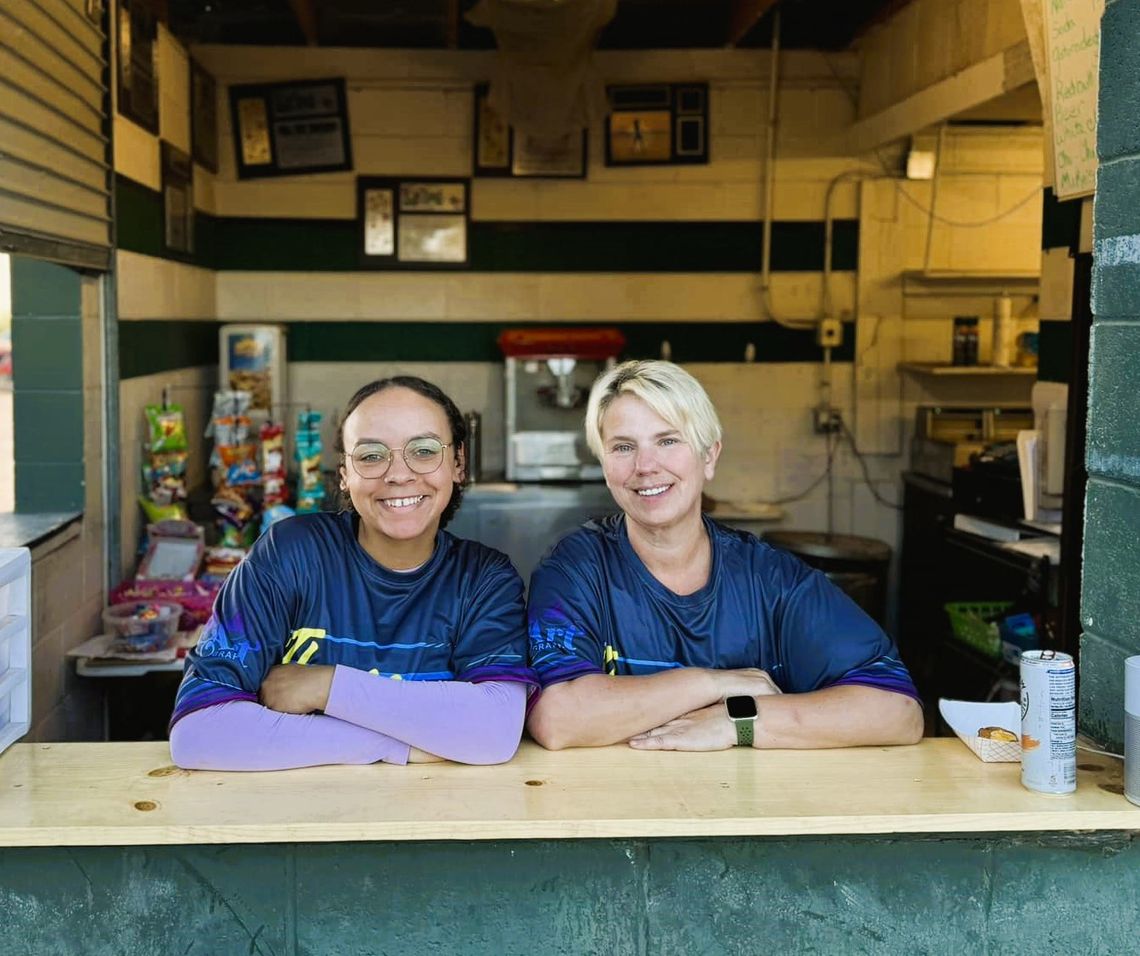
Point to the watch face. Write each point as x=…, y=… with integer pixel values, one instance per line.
x=741, y=708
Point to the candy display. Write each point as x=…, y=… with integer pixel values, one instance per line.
x=307, y=450
x=196, y=598
x=167, y=428
x=140, y=628
x=183, y=563
x=164, y=463
x=272, y=465
x=235, y=472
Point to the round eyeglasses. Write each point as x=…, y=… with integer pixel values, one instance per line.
x=421, y=455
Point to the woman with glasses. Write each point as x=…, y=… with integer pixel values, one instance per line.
x=660, y=627
x=369, y=635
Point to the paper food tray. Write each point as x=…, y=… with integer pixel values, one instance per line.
x=966, y=718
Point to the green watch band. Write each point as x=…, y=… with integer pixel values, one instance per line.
x=742, y=712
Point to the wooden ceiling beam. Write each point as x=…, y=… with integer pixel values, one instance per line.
x=451, y=28
x=306, y=13
x=744, y=16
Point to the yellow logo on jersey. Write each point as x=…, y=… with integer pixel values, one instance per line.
x=298, y=638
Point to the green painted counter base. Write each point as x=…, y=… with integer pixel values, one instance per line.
x=975, y=894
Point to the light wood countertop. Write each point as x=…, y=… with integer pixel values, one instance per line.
x=85, y=794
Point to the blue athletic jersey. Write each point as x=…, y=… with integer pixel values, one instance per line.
x=308, y=593
x=594, y=608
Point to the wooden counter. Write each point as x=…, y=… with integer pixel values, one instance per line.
x=78, y=794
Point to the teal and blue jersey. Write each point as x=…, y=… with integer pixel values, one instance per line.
x=308, y=593
x=595, y=608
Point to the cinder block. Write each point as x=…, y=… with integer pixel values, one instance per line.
x=1110, y=585
x=1100, y=712
x=1118, y=133
x=1113, y=448
x=49, y=426
x=44, y=288
x=50, y=351
x=1116, y=212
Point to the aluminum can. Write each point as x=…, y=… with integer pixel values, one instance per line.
x=1048, y=722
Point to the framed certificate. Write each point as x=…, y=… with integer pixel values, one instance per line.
x=413, y=223
x=288, y=129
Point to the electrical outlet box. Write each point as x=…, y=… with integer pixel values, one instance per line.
x=826, y=421
x=829, y=333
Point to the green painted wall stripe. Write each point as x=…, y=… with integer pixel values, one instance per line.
x=138, y=225
x=151, y=346
x=476, y=341
x=332, y=245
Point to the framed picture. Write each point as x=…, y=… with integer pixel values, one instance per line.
x=203, y=117
x=492, y=138
x=287, y=129
x=177, y=200
x=413, y=223
x=501, y=150
x=136, y=32
x=660, y=124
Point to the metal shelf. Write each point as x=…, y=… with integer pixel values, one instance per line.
x=942, y=370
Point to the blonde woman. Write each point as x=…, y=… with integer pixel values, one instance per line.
x=663, y=628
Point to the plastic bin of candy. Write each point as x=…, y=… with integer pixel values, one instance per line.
x=142, y=627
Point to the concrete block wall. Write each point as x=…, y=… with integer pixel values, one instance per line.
x=1110, y=589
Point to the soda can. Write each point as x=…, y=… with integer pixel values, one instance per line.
x=1048, y=722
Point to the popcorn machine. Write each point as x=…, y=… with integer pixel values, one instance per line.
x=548, y=373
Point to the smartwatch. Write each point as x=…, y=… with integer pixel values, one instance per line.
x=742, y=712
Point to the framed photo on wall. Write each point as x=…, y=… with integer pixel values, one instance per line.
x=203, y=117
x=177, y=200
x=288, y=129
x=659, y=124
x=136, y=33
x=413, y=222
x=501, y=150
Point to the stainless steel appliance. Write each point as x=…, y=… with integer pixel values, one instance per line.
x=547, y=377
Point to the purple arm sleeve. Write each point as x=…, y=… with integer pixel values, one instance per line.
x=243, y=735
x=468, y=723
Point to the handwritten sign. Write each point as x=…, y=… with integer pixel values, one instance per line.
x=1072, y=42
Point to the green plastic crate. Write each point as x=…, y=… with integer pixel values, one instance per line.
x=969, y=620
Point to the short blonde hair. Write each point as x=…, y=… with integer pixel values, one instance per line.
x=666, y=388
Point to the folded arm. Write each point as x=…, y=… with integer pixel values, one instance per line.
x=244, y=735
x=468, y=723
x=596, y=709
x=848, y=715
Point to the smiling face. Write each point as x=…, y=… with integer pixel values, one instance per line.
x=400, y=510
x=654, y=474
